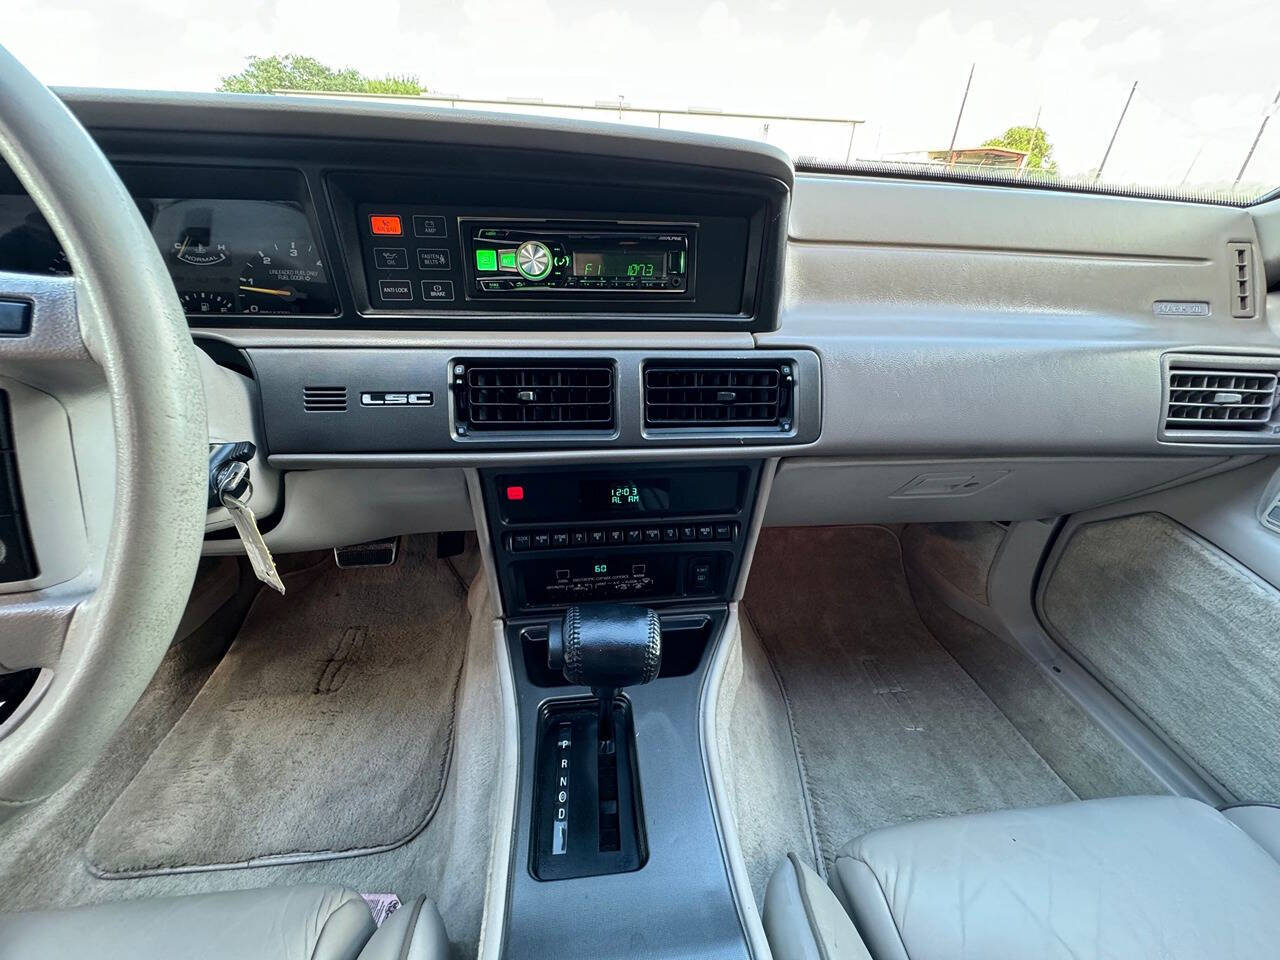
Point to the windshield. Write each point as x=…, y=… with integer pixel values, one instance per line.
x=1164, y=96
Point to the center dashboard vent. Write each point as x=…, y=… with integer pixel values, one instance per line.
x=721, y=394
x=556, y=395
x=1219, y=399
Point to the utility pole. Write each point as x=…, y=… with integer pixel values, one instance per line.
x=1112, y=142
x=1254, y=146
x=963, y=100
x=1035, y=128
x=1191, y=166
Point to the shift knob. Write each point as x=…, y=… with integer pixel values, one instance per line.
x=607, y=646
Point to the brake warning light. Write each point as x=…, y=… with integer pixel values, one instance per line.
x=385, y=225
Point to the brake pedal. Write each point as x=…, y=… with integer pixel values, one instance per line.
x=374, y=553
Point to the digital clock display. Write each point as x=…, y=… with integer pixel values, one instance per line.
x=624, y=496
x=620, y=265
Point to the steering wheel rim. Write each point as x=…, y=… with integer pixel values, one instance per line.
x=111, y=347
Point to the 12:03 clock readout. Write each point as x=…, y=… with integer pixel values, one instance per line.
x=624, y=495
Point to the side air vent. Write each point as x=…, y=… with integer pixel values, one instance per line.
x=535, y=396
x=702, y=396
x=1221, y=399
x=324, y=399
x=1240, y=267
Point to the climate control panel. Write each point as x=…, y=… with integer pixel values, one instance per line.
x=649, y=533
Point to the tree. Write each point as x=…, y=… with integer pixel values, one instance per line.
x=294, y=72
x=1033, y=141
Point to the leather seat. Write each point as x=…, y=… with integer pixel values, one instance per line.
x=1132, y=877
x=311, y=922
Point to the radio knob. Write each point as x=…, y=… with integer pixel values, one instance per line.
x=533, y=259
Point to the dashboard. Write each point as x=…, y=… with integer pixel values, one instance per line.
x=338, y=244
x=402, y=295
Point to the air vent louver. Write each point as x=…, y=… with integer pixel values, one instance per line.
x=701, y=396
x=324, y=399
x=526, y=397
x=1220, y=399
x=1240, y=264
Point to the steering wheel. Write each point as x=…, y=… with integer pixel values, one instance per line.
x=111, y=450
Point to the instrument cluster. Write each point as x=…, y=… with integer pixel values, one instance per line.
x=226, y=256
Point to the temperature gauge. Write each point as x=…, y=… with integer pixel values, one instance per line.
x=196, y=250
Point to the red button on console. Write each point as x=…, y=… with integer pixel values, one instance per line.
x=515, y=493
x=385, y=225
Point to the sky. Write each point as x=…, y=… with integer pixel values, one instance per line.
x=1205, y=80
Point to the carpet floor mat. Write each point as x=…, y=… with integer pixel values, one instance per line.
x=888, y=727
x=325, y=731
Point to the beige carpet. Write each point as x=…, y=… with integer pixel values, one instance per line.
x=325, y=731
x=889, y=728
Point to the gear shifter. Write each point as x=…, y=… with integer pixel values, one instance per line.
x=606, y=647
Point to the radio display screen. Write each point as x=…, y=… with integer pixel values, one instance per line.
x=620, y=264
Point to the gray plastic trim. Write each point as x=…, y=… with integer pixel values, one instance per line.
x=406, y=433
x=721, y=804
x=348, y=119
x=48, y=475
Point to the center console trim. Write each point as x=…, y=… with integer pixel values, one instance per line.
x=616, y=916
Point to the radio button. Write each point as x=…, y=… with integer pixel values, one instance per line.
x=706, y=531
x=688, y=533
x=652, y=535
x=597, y=538
x=560, y=538
x=521, y=541
x=487, y=260
x=617, y=535
x=541, y=540
x=670, y=534
x=724, y=531
x=579, y=538
x=633, y=535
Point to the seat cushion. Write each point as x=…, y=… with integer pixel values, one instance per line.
x=803, y=919
x=1131, y=877
x=312, y=922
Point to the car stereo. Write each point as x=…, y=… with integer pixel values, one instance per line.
x=517, y=259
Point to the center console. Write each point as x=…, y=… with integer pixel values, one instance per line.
x=616, y=581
